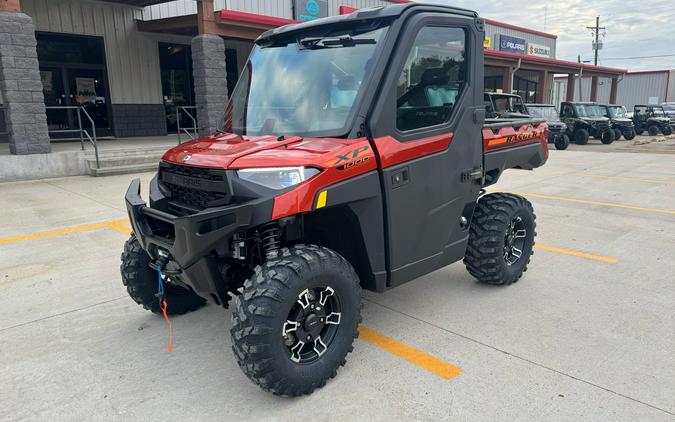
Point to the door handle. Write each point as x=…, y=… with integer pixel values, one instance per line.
x=400, y=178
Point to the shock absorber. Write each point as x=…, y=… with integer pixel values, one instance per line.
x=269, y=238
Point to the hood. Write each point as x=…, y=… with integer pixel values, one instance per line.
x=595, y=119
x=227, y=151
x=622, y=120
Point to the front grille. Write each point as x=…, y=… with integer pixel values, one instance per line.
x=191, y=189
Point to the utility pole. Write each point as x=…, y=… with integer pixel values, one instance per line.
x=596, y=31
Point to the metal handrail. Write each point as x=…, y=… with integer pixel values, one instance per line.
x=185, y=109
x=4, y=107
x=82, y=131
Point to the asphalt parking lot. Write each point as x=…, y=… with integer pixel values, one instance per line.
x=587, y=334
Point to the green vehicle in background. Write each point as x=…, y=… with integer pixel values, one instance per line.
x=620, y=123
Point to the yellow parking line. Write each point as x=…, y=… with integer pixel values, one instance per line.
x=120, y=227
x=576, y=253
x=632, y=179
x=604, y=204
x=59, y=231
x=417, y=357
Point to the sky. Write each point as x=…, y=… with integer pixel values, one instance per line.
x=634, y=28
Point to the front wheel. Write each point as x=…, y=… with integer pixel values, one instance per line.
x=297, y=319
x=501, y=238
x=617, y=134
x=562, y=142
x=607, y=136
x=629, y=134
x=141, y=283
x=580, y=136
x=653, y=130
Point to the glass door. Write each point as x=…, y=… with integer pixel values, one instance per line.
x=73, y=73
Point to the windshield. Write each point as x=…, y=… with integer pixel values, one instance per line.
x=589, y=110
x=617, y=111
x=508, y=104
x=305, y=87
x=669, y=107
x=548, y=113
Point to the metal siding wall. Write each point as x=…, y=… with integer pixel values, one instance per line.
x=170, y=9
x=132, y=58
x=633, y=89
x=494, y=31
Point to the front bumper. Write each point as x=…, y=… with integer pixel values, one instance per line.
x=186, y=243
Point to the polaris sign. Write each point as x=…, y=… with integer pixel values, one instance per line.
x=512, y=44
x=308, y=10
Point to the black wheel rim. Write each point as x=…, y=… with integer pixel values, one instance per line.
x=514, y=241
x=312, y=324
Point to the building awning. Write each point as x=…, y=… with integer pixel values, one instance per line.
x=137, y=3
x=503, y=58
x=229, y=23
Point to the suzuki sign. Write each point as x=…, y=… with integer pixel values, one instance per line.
x=538, y=50
x=512, y=44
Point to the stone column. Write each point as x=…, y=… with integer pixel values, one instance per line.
x=614, y=90
x=594, y=88
x=210, y=82
x=570, y=87
x=21, y=86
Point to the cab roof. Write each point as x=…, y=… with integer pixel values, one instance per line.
x=371, y=13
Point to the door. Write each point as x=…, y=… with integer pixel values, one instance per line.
x=73, y=73
x=426, y=129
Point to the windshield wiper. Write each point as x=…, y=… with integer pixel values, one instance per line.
x=328, y=42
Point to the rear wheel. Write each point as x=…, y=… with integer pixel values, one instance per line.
x=580, y=136
x=141, y=282
x=296, y=320
x=562, y=142
x=607, y=136
x=501, y=238
x=617, y=134
x=629, y=134
x=667, y=130
x=653, y=130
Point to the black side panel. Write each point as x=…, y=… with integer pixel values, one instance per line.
x=352, y=224
x=526, y=157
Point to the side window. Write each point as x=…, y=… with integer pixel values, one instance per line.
x=567, y=111
x=432, y=78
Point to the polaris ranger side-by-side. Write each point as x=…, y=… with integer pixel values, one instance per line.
x=651, y=118
x=354, y=155
x=504, y=106
x=584, y=120
x=619, y=122
x=557, y=130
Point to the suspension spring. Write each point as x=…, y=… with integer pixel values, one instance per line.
x=269, y=238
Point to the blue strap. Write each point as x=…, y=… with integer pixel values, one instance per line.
x=160, y=284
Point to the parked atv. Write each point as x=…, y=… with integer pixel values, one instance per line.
x=584, y=120
x=354, y=154
x=620, y=123
x=651, y=118
x=504, y=106
x=557, y=130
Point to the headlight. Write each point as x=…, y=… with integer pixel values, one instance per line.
x=277, y=177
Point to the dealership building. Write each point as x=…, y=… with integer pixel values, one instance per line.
x=139, y=68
